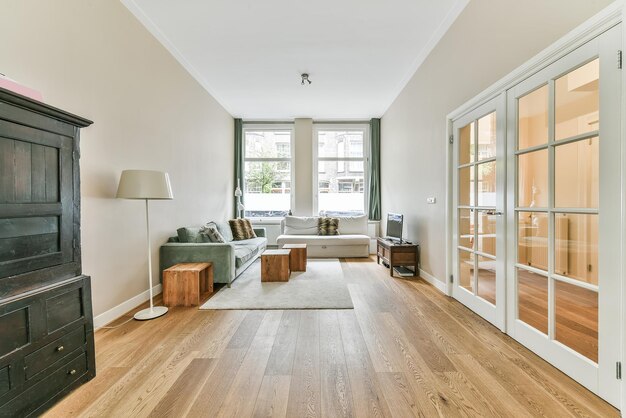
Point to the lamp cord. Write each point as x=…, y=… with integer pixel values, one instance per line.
x=119, y=325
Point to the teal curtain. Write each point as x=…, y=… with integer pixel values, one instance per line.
x=238, y=159
x=374, y=170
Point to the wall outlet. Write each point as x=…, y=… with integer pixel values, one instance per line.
x=431, y=200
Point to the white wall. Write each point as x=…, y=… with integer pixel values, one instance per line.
x=93, y=58
x=488, y=40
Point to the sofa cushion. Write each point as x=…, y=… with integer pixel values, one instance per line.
x=353, y=225
x=187, y=234
x=244, y=254
x=210, y=233
x=241, y=229
x=327, y=240
x=298, y=225
x=328, y=226
x=245, y=250
x=224, y=229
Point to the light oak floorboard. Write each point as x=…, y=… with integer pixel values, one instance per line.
x=405, y=350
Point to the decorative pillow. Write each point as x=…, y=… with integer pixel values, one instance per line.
x=298, y=225
x=242, y=229
x=224, y=228
x=188, y=234
x=328, y=226
x=351, y=225
x=211, y=233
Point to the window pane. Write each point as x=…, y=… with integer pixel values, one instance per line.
x=267, y=188
x=340, y=191
x=576, y=246
x=466, y=228
x=466, y=270
x=576, y=174
x=533, y=118
x=487, y=279
x=532, y=180
x=532, y=239
x=466, y=144
x=487, y=136
x=466, y=186
x=267, y=144
x=532, y=299
x=340, y=144
x=576, y=322
x=487, y=184
x=576, y=101
x=486, y=235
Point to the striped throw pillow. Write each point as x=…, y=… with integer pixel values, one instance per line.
x=328, y=226
x=242, y=229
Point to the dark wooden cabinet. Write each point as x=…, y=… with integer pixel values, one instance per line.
x=46, y=320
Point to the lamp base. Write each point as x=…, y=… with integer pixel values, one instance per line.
x=150, y=313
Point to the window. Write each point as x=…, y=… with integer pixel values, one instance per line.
x=267, y=171
x=341, y=177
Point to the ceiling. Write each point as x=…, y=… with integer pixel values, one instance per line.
x=249, y=54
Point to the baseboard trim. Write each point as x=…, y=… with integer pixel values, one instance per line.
x=114, y=313
x=438, y=284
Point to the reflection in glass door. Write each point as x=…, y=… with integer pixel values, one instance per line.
x=564, y=301
x=479, y=255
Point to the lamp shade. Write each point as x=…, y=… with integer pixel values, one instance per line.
x=144, y=184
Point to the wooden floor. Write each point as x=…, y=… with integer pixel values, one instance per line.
x=405, y=350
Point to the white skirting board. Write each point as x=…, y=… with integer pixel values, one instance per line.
x=438, y=284
x=114, y=313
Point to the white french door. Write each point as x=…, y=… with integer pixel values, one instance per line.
x=479, y=159
x=536, y=199
x=563, y=218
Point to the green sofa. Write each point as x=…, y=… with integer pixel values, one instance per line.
x=229, y=259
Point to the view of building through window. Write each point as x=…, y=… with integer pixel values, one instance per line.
x=267, y=172
x=341, y=172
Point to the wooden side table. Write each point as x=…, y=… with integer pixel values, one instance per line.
x=186, y=284
x=297, y=258
x=275, y=266
x=396, y=254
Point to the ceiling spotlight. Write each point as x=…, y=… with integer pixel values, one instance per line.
x=305, y=77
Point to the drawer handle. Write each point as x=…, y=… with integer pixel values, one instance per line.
x=72, y=372
x=60, y=348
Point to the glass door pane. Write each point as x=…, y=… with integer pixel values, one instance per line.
x=478, y=270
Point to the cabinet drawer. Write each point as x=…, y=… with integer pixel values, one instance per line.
x=402, y=257
x=53, y=352
x=5, y=380
x=63, y=309
x=45, y=389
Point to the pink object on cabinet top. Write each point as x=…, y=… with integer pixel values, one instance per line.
x=7, y=83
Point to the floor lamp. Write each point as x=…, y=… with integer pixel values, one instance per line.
x=146, y=185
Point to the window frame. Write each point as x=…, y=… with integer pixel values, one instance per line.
x=256, y=127
x=363, y=127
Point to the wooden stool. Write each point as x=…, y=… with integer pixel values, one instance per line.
x=275, y=266
x=297, y=258
x=186, y=284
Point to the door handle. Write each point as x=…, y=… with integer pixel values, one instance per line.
x=493, y=212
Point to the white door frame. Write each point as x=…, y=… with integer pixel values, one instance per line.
x=593, y=27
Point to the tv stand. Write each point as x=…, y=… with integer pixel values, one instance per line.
x=396, y=254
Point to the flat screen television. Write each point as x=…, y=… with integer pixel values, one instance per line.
x=394, y=226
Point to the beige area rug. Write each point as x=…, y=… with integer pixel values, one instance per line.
x=322, y=286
